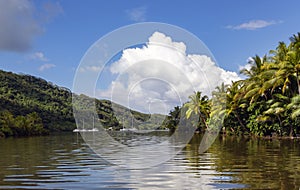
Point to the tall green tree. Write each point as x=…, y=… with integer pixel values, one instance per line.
x=198, y=105
x=286, y=66
x=294, y=106
x=173, y=118
x=6, y=122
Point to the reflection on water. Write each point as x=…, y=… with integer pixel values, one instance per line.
x=65, y=162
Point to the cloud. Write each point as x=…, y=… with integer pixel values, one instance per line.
x=39, y=56
x=250, y=60
x=90, y=69
x=253, y=25
x=18, y=26
x=46, y=66
x=137, y=14
x=246, y=66
x=21, y=22
x=160, y=75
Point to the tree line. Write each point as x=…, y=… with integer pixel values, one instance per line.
x=33, y=106
x=266, y=102
x=28, y=125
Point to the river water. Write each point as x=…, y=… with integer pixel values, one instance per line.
x=65, y=161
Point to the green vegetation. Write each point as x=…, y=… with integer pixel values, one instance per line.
x=33, y=106
x=28, y=125
x=266, y=103
x=22, y=95
x=111, y=115
x=198, y=105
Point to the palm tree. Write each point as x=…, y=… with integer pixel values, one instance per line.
x=276, y=108
x=173, y=118
x=286, y=64
x=253, y=86
x=218, y=107
x=294, y=106
x=198, y=105
x=294, y=59
x=256, y=68
x=218, y=104
x=235, y=102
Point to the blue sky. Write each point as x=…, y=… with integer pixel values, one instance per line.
x=52, y=36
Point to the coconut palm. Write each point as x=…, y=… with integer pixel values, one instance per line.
x=253, y=87
x=235, y=101
x=218, y=107
x=276, y=109
x=256, y=66
x=295, y=107
x=286, y=63
x=198, y=105
x=293, y=57
x=218, y=104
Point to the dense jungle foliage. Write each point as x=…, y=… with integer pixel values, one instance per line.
x=265, y=103
x=32, y=106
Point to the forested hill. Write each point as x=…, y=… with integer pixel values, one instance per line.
x=21, y=95
x=25, y=97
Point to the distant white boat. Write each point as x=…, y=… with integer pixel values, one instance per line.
x=77, y=130
x=86, y=130
x=92, y=130
x=80, y=130
x=130, y=129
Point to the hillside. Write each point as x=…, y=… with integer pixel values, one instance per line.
x=22, y=95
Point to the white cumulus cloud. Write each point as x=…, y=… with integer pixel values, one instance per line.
x=160, y=75
x=253, y=25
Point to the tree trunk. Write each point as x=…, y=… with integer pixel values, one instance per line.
x=203, y=120
x=291, y=131
x=239, y=120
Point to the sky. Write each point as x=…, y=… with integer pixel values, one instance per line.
x=48, y=39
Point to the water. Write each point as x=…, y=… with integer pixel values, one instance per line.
x=65, y=162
